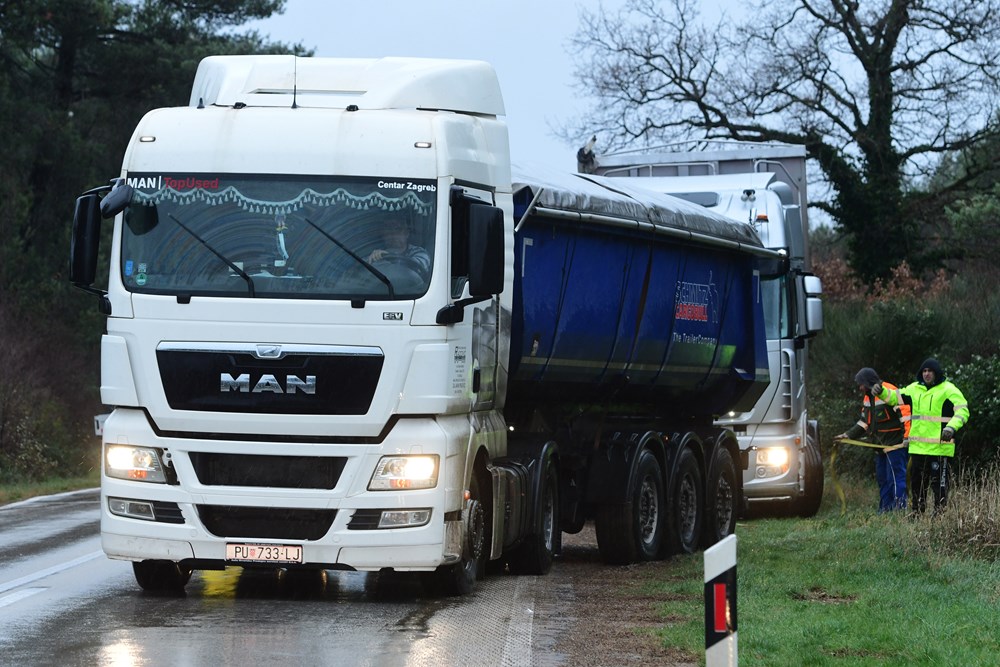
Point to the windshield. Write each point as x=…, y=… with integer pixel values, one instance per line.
x=279, y=236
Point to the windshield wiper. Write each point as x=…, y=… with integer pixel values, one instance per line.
x=371, y=269
x=215, y=252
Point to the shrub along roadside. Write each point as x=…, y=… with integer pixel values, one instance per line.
x=861, y=588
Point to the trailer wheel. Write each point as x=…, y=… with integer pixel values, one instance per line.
x=685, y=507
x=534, y=555
x=633, y=531
x=460, y=578
x=722, y=491
x=161, y=576
x=809, y=503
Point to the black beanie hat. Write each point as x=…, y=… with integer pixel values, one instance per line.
x=867, y=377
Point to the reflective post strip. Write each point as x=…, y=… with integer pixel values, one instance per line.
x=720, y=603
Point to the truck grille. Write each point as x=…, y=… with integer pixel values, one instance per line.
x=237, y=380
x=287, y=472
x=275, y=523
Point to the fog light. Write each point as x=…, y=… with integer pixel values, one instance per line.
x=134, y=509
x=404, y=518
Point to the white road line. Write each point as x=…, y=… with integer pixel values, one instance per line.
x=517, y=648
x=19, y=595
x=55, y=569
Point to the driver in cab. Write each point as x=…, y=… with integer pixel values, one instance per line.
x=396, y=248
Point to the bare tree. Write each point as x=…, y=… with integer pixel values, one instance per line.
x=877, y=94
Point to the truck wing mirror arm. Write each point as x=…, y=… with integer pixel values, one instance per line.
x=454, y=312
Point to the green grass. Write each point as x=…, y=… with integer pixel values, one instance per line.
x=11, y=493
x=856, y=588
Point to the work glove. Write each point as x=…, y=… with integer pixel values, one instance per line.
x=876, y=389
x=947, y=433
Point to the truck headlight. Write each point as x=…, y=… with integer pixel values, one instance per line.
x=136, y=463
x=771, y=462
x=772, y=456
x=394, y=473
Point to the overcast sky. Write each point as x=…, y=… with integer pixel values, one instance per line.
x=525, y=40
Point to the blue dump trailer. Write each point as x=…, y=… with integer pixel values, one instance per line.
x=636, y=321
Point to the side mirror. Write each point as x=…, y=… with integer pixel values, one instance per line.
x=85, y=240
x=118, y=199
x=486, y=250
x=809, y=306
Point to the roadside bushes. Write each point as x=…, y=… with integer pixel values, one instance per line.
x=45, y=423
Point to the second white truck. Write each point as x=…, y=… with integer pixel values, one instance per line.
x=764, y=185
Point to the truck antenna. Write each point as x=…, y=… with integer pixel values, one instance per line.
x=295, y=81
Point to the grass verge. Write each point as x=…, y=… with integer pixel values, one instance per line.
x=856, y=588
x=13, y=492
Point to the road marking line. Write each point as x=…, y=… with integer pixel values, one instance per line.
x=19, y=595
x=55, y=569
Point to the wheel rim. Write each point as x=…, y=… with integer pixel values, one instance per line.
x=687, y=508
x=547, y=521
x=649, y=511
x=724, y=506
x=476, y=533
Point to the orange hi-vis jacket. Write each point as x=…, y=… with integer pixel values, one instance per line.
x=891, y=422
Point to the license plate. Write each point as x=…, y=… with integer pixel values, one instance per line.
x=264, y=553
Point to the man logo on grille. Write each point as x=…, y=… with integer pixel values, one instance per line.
x=267, y=384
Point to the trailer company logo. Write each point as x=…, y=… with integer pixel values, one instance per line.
x=267, y=384
x=179, y=184
x=696, y=302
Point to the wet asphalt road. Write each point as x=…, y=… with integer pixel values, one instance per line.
x=62, y=602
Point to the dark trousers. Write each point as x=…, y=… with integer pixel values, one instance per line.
x=929, y=472
x=890, y=472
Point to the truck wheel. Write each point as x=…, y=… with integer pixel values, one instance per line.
x=722, y=496
x=633, y=531
x=685, y=508
x=460, y=578
x=161, y=576
x=534, y=554
x=812, y=496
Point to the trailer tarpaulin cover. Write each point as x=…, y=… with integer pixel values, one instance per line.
x=612, y=197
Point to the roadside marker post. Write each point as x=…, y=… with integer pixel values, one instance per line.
x=720, y=604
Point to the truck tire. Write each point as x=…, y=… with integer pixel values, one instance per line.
x=161, y=576
x=633, y=531
x=534, y=555
x=812, y=496
x=460, y=578
x=722, y=499
x=685, y=509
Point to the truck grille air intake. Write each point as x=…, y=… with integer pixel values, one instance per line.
x=277, y=523
x=288, y=472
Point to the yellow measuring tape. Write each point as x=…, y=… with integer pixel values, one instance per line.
x=833, y=468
